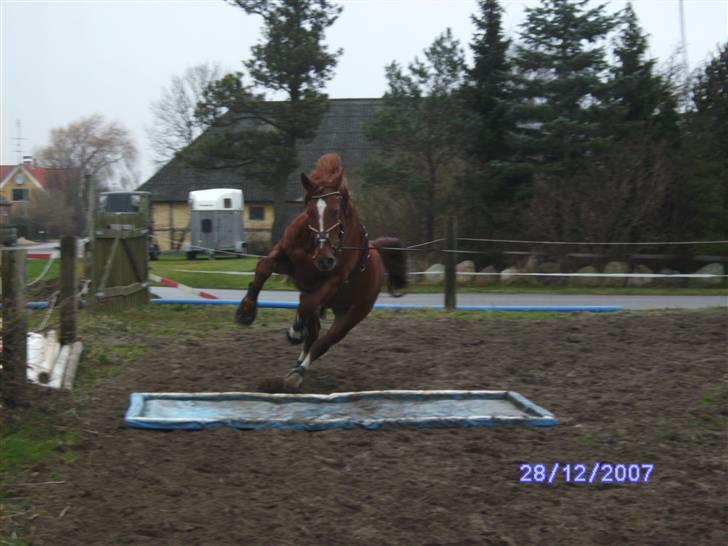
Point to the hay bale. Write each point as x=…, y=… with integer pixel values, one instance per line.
x=585, y=282
x=549, y=267
x=531, y=265
x=672, y=283
x=710, y=269
x=487, y=280
x=615, y=268
x=462, y=269
x=636, y=282
x=435, y=274
x=508, y=278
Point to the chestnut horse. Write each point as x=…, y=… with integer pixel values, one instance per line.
x=327, y=253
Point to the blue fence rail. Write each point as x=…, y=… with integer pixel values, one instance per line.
x=294, y=305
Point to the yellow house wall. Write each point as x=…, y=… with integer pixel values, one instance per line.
x=7, y=191
x=171, y=220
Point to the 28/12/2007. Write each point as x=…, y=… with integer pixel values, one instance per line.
x=594, y=473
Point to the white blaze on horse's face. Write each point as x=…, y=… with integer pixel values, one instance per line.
x=321, y=206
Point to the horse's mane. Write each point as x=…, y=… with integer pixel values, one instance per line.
x=326, y=172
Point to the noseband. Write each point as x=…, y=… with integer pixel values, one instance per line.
x=322, y=235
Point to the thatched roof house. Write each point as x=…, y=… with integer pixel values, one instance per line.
x=342, y=130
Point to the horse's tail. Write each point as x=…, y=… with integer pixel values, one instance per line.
x=395, y=262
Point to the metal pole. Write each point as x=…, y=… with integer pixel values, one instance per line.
x=686, y=67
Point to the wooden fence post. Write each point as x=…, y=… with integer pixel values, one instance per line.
x=450, y=261
x=14, y=329
x=90, y=228
x=69, y=290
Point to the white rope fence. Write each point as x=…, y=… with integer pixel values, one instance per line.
x=592, y=243
x=43, y=273
x=504, y=274
x=507, y=274
x=605, y=275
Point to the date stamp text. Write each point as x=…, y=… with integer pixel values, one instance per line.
x=590, y=473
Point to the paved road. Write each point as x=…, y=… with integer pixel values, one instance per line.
x=628, y=302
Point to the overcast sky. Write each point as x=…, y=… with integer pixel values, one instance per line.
x=63, y=60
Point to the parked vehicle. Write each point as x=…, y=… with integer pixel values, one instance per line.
x=216, y=223
x=132, y=201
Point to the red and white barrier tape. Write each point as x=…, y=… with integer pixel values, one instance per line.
x=174, y=284
x=512, y=274
x=605, y=275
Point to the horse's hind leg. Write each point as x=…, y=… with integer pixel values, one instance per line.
x=275, y=262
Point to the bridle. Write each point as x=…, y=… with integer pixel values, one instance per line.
x=322, y=235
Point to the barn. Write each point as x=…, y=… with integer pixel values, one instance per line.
x=342, y=130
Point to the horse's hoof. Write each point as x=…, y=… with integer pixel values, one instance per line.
x=246, y=312
x=296, y=337
x=293, y=380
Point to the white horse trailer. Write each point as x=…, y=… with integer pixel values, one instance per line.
x=216, y=223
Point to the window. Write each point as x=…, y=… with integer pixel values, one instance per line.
x=256, y=213
x=20, y=195
x=227, y=203
x=207, y=226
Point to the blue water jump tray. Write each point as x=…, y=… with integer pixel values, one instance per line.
x=369, y=410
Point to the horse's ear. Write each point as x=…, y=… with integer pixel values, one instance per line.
x=307, y=184
x=344, y=190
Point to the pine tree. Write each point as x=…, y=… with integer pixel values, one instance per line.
x=710, y=96
x=486, y=189
x=643, y=99
x=561, y=84
x=417, y=131
x=488, y=83
x=702, y=196
x=257, y=136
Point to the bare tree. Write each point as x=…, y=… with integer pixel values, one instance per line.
x=51, y=212
x=102, y=149
x=92, y=147
x=175, y=126
x=619, y=197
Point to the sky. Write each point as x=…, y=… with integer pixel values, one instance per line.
x=62, y=60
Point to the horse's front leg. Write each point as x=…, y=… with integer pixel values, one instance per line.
x=309, y=321
x=275, y=262
x=341, y=326
x=311, y=331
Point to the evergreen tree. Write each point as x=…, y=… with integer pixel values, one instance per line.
x=710, y=96
x=256, y=136
x=561, y=84
x=486, y=190
x=702, y=197
x=643, y=99
x=417, y=131
x=488, y=85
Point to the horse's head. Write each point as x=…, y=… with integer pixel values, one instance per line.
x=326, y=204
